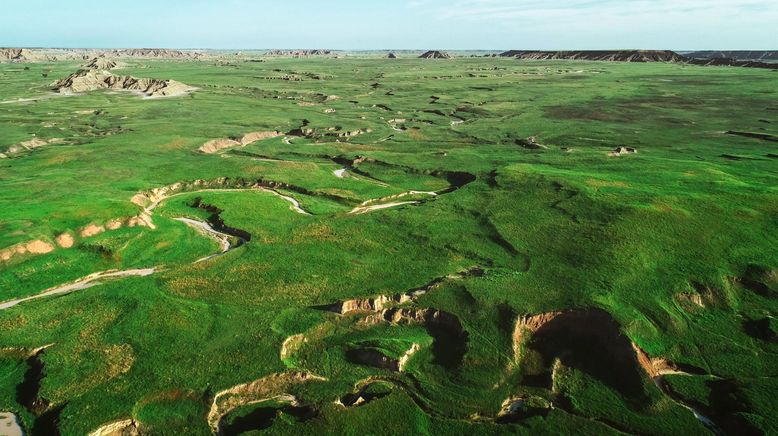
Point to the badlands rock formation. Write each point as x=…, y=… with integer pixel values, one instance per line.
x=434, y=54
x=90, y=80
x=741, y=55
x=299, y=53
x=599, y=55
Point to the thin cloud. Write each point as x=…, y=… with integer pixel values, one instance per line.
x=603, y=9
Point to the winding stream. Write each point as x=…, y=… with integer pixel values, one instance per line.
x=295, y=204
x=660, y=382
x=222, y=238
x=365, y=209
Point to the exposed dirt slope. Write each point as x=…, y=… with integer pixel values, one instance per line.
x=271, y=387
x=216, y=145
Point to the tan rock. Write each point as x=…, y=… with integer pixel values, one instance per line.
x=65, y=240
x=91, y=230
x=114, y=224
x=39, y=247
x=91, y=79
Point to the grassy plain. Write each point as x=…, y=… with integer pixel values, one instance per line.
x=678, y=243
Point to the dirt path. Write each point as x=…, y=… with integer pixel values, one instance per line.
x=84, y=283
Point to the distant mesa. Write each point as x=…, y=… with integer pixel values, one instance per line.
x=91, y=80
x=599, y=55
x=152, y=53
x=100, y=63
x=715, y=58
x=299, y=53
x=391, y=56
x=434, y=54
x=56, y=54
x=739, y=55
x=724, y=62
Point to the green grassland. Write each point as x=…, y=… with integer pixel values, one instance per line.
x=692, y=216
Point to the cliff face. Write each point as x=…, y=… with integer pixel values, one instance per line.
x=599, y=55
x=740, y=55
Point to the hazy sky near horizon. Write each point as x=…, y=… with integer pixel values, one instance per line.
x=413, y=24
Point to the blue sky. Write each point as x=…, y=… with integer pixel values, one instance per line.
x=369, y=24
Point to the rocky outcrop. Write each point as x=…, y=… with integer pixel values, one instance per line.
x=514, y=408
x=20, y=55
x=153, y=53
x=381, y=302
x=127, y=427
x=100, y=63
x=417, y=316
x=621, y=151
x=13, y=54
x=598, y=55
x=376, y=304
x=291, y=345
x=531, y=143
x=333, y=132
x=435, y=54
x=91, y=80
